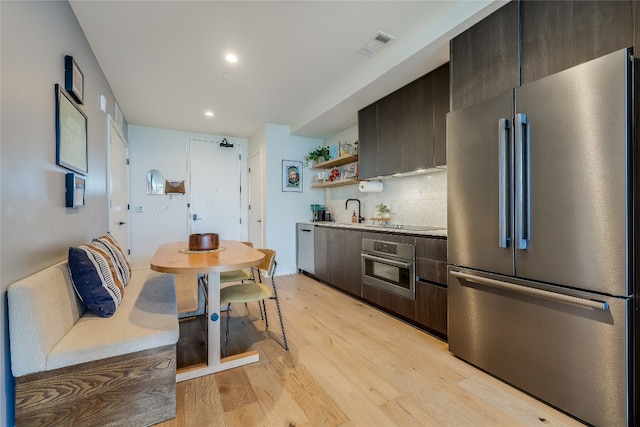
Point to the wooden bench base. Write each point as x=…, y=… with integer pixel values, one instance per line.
x=137, y=389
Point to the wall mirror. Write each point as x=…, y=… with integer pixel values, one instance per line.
x=155, y=182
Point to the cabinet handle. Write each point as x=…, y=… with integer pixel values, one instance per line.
x=568, y=299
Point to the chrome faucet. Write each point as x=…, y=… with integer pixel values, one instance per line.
x=346, y=204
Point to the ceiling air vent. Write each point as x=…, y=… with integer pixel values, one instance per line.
x=371, y=46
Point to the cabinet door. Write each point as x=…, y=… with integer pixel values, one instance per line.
x=418, y=150
x=484, y=59
x=440, y=110
x=368, y=142
x=557, y=35
x=320, y=243
x=335, y=257
x=431, y=306
x=393, y=130
x=352, y=265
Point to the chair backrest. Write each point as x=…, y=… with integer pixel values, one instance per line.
x=268, y=264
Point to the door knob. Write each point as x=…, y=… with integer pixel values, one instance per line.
x=258, y=220
x=195, y=217
x=121, y=223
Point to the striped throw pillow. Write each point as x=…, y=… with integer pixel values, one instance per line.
x=109, y=246
x=95, y=279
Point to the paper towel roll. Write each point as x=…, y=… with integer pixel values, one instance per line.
x=370, y=186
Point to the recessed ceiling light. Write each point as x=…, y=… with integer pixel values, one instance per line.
x=231, y=58
x=208, y=113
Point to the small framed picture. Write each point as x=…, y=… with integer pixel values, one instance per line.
x=292, y=175
x=75, y=185
x=73, y=79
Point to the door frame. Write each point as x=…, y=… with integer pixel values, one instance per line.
x=111, y=125
x=260, y=192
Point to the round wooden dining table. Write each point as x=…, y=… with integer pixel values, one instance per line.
x=176, y=258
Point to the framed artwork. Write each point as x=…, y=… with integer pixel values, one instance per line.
x=292, y=175
x=75, y=185
x=71, y=134
x=73, y=79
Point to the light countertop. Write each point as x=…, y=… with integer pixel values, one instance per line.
x=422, y=231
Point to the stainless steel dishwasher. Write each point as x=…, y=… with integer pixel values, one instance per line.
x=304, y=252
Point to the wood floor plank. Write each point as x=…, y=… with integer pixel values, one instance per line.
x=347, y=395
x=235, y=389
x=202, y=399
x=277, y=403
x=349, y=365
x=529, y=414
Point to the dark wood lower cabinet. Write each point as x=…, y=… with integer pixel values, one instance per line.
x=337, y=258
x=431, y=307
x=320, y=252
x=404, y=307
x=337, y=262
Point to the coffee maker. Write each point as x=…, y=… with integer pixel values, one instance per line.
x=320, y=213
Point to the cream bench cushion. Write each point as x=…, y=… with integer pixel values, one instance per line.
x=50, y=328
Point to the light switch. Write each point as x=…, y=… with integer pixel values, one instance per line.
x=139, y=209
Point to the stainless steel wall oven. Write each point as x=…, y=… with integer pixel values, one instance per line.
x=389, y=266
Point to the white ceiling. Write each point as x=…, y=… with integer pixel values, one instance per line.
x=298, y=64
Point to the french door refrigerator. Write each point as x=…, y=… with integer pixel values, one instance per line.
x=540, y=238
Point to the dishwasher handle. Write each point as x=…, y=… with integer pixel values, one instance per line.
x=568, y=299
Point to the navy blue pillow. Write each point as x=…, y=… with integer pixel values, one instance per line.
x=92, y=275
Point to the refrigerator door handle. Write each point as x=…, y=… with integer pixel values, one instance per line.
x=521, y=127
x=568, y=299
x=503, y=129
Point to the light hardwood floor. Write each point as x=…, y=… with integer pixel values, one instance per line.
x=349, y=365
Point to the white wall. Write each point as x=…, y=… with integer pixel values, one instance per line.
x=284, y=209
x=167, y=151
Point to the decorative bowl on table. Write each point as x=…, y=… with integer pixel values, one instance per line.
x=203, y=241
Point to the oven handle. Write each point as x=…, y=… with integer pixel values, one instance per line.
x=387, y=261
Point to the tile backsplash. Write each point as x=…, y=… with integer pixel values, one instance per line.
x=414, y=200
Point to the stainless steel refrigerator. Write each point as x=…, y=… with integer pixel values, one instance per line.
x=540, y=238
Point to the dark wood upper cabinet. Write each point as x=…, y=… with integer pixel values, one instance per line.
x=409, y=132
x=368, y=142
x=393, y=130
x=484, y=59
x=529, y=40
x=440, y=110
x=557, y=35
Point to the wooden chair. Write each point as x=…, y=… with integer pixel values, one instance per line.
x=256, y=291
x=238, y=275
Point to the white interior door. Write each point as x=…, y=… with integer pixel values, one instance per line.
x=255, y=200
x=214, y=189
x=118, y=187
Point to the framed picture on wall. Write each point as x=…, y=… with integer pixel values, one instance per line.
x=71, y=134
x=73, y=79
x=75, y=186
x=292, y=175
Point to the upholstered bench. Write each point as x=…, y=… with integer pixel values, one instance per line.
x=75, y=368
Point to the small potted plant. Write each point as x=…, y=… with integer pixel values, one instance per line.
x=319, y=155
x=383, y=211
